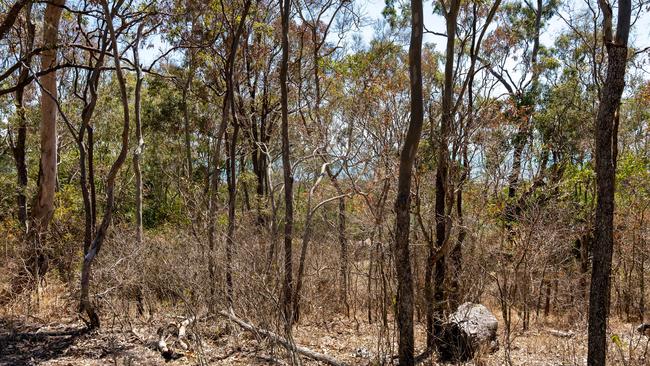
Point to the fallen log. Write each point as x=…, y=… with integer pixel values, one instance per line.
x=285, y=343
x=559, y=333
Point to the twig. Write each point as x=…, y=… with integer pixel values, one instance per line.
x=288, y=345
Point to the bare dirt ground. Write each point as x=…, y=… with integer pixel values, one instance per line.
x=27, y=341
x=55, y=336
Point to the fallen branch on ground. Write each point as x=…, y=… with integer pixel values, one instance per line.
x=178, y=331
x=559, y=333
x=285, y=343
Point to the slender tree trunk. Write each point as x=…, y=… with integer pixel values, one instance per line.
x=85, y=303
x=610, y=99
x=228, y=103
x=301, y=263
x=91, y=175
x=232, y=205
x=139, y=149
x=343, y=244
x=186, y=119
x=287, y=285
x=86, y=150
x=456, y=255
x=403, y=200
x=436, y=307
x=511, y=210
x=18, y=147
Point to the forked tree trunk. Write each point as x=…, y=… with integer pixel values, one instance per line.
x=511, y=210
x=226, y=110
x=85, y=304
x=86, y=174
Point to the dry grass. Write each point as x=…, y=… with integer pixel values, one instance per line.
x=127, y=341
x=170, y=272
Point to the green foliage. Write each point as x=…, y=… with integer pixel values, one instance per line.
x=633, y=176
x=521, y=17
x=163, y=110
x=397, y=15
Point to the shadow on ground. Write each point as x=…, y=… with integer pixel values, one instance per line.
x=25, y=344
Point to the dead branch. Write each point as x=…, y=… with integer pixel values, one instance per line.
x=559, y=333
x=285, y=343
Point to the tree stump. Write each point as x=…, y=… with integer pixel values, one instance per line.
x=470, y=329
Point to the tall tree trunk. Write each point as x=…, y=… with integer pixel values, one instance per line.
x=226, y=110
x=436, y=307
x=43, y=205
x=85, y=303
x=287, y=285
x=606, y=139
x=18, y=146
x=86, y=174
x=137, y=154
x=343, y=260
x=139, y=149
x=511, y=210
x=403, y=200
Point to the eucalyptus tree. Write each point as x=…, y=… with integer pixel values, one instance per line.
x=466, y=27
x=119, y=19
x=450, y=12
x=17, y=141
x=259, y=107
x=287, y=283
x=518, y=33
x=319, y=19
x=233, y=20
x=42, y=208
x=606, y=154
x=229, y=112
x=403, y=200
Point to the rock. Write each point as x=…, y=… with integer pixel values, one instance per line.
x=470, y=329
x=644, y=329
